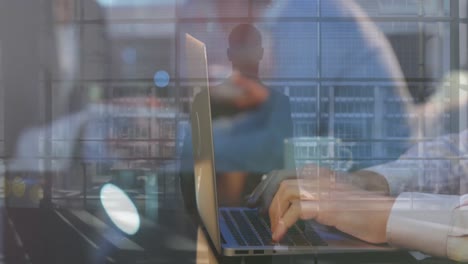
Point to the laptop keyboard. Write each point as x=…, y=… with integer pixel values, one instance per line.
x=247, y=221
x=262, y=230
x=233, y=229
x=245, y=230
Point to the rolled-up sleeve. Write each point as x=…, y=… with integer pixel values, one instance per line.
x=434, y=224
x=423, y=217
x=438, y=166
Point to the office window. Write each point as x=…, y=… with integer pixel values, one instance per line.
x=99, y=93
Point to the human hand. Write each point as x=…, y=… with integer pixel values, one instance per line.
x=317, y=195
x=263, y=194
x=243, y=92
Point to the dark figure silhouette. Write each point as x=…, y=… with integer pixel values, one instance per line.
x=259, y=119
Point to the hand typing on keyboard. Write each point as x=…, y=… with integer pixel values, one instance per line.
x=316, y=194
x=263, y=194
x=255, y=230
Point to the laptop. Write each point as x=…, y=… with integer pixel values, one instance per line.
x=242, y=231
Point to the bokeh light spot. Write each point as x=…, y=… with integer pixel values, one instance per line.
x=120, y=209
x=161, y=79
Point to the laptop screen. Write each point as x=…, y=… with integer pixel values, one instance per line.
x=202, y=140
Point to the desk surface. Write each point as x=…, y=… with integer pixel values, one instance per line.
x=60, y=236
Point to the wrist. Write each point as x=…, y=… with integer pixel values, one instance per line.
x=365, y=180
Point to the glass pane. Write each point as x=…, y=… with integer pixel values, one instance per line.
x=104, y=148
x=290, y=9
x=392, y=8
x=130, y=10
x=214, y=9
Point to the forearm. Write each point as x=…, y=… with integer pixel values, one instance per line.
x=372, y=207
x=366, y=180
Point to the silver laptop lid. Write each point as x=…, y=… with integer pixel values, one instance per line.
x=202, y=140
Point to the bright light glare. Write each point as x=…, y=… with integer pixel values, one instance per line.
x=464, y=78
x=120, y=209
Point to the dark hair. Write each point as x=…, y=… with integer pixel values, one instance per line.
x=245, y=36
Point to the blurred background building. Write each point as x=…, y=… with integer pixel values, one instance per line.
x=129, y=54
x=139, y=54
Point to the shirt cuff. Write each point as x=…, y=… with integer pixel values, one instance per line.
x=422, y=222
x=457, y=242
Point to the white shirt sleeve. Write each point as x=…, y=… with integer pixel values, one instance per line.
x=434, y=224
x=436, y=166
x=423, y=219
